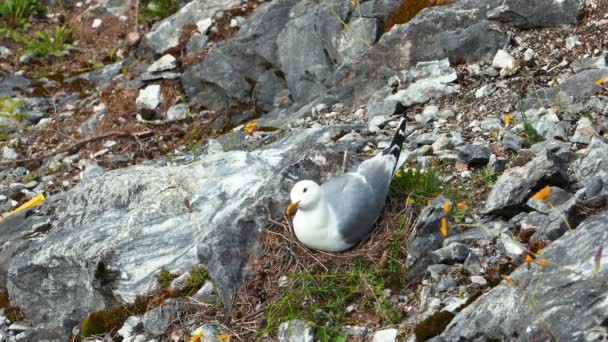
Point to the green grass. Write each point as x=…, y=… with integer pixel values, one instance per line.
x=17, y=12
x=53, y=43
x=157, y=9
x=417, y=183
x=321, y=298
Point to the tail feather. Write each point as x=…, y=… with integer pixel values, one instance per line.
x=397, y=142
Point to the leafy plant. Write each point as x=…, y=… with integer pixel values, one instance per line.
x=532, y=135
x=417, y=183
x=487, y=176
x=43, y=45
x=157, y=9
x=198, y=274
x=164, y=278
x=9, y=108
x=17, y=12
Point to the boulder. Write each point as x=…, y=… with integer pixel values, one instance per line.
x=165, y=34
x=516, y=185
x=111, y=234
x=425, y=238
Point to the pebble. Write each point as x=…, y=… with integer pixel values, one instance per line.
x=97, y=23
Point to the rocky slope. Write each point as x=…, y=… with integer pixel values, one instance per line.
x=182, y=149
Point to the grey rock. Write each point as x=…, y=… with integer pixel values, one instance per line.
x=89, y=169
x=224, y=76
x=165, y=34
x=166, y=62
x=118, y=159
x=478, y=280
x=525, y=15
x=197, y=43
x=386, y=335
x=502, y=60
x=472, y=264
x=436, y=271
x=595, y=193
x=425, y=238
x=593, y=164
x=584, y=131
x=178, y=112
x=149, y=98
x=156, y=321
x=557, y=197
x=509, y=247
x=229, y=193
x=469, y=237
x=295, y=331
x=100, y=78
x=178, y=283
x=89, y=127
x=582, y=84
x=132, y=326
x=350, y=330
x=380, y=107
x=582, y=64
x=359, y=36
x=271, y=91
x=505, y=313
x=5, y=52
x=445, y=284
x=206, y=294
x=163, y=75
x=453, y=253
x=9, y=154
x=14, y=85
x=475, y=155
x=515, y=185
x=511, y=142
x=560, y=149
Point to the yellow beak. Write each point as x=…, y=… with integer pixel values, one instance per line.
x=291, y=209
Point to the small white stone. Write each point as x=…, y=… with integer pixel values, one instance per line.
x=110, y=144
x=166, y=62
x=5, y=52
x=478, y=280
x=572, y=42
x=204, y=25
x=149, y=97
x=234, y=23
x=387, y=335
x=483, y=91
x=503, y=59
x=97, y=23
x=9, y=154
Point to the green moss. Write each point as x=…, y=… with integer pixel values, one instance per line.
x=432, y=325
x=194, y=282
x=532, y=135
x=164, y=278
x=104, y=321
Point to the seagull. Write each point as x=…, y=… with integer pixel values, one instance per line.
x=338, y=214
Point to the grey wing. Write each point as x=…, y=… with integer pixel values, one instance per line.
x=355, y=203
x=378, y=172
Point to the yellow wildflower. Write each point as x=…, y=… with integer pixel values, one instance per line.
x=197, y=337
x=461, y=206
x=508, y=279
x=353, y=2
x=444, y=227
x=224, y=337
x=600, y=82
x=508, y=119
x=542, y=194
x=529, y=259
x=251, y=127
x=410, y=201
x=543, y=263
x=446, y=207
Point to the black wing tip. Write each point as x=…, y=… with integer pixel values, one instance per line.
x=398, y=139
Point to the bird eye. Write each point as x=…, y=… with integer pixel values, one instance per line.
x=305, y=189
